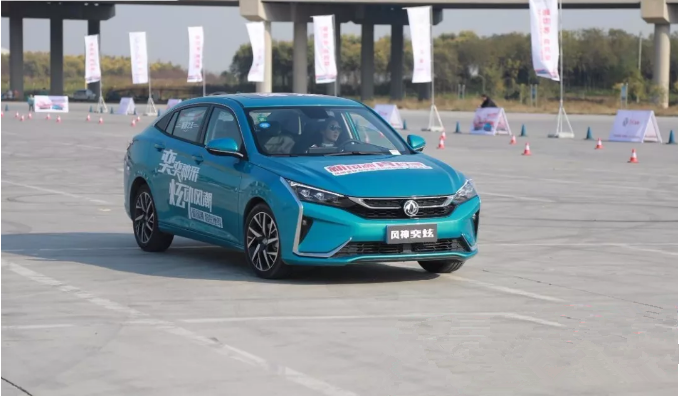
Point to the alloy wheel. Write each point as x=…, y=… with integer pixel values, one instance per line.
x=262, y=241
x=144, y=218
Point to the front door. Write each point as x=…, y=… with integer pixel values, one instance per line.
x=220, y=177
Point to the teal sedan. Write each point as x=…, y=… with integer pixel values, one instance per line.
x=294, y=179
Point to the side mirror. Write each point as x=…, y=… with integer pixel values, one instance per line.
x=224, y=146
x=416, y=142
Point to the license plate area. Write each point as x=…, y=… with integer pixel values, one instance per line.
x=412, y=233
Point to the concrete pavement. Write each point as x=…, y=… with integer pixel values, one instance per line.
x=573, y=291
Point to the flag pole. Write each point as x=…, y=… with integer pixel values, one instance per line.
x=560, y=132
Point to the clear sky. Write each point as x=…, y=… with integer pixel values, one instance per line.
x=225, y=31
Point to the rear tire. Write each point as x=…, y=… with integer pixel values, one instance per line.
x=263, y=245
x=145, y=223
x=441, y=267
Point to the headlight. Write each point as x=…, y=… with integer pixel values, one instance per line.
x=316, y=195
x=465, y=193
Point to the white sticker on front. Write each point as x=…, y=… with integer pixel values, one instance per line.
x=394, y=152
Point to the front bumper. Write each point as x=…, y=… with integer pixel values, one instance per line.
x=325, y=235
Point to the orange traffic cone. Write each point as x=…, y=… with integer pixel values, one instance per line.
x=134, y=122
x=30, y=116
x=138, y=118
x=22, y=118
x=526, y=151
x=599, y=146
x=58, y=118
x=88, y=118
x=101, y=120
x=513, y=141
x=633, y=158
x=16, y=115
x=441, y=145
x=443, y=134
x=48, y=117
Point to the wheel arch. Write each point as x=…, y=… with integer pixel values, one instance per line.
x=136, y=184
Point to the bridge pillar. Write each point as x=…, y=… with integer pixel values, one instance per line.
x=94, y=27
x=367, y=61
x=57, y=56
x=338, y=59
x=16, y=55
x=661, y=63
x=299, y=57
x=661, y=14
x=266, y=86
x=396, y=62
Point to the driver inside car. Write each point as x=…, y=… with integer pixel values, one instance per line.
x=329, y=133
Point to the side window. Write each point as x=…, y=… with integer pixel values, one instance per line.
x=223, y=124
x=165, y=121
x=188, y=124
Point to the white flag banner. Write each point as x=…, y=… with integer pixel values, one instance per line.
x=419, y=19
x=92, y=67
x=196, y=40
x=256, y=33
x=544, y=36
x=324, y=49
x=139, y=57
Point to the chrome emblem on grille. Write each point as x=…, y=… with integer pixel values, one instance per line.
x=410, y=208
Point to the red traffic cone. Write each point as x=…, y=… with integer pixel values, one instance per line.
x=138, y=118
x=88, y=118
x=48, y=117
x=2, y=114
x=526, y=151
x=134, y=122
x=16, y=115
x=513, y=141
x=30, y=116
x=101, y=120
x=443, y=134
x=599, y=146
x=22, y=118
x=441, y=144
x=633, y=158
x=58, y=118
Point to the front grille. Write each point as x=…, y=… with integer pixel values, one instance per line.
x=393, y=208
x=381, y=248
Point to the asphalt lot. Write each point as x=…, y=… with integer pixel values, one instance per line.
x=573, y=291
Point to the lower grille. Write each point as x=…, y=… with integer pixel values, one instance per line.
x=381, y=248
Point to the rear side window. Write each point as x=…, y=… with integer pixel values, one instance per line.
x=187, y=126
x=164, y=122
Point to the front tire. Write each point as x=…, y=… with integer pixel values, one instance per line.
x=145, y=223
x=441, y=266
x=263, y=245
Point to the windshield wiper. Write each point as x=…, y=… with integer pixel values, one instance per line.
x=355, y=153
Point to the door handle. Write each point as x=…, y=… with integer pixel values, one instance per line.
x=197, y=158
x=159, y=146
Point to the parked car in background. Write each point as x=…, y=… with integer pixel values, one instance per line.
x=84, y=94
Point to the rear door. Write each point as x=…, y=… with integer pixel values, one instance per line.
x=179, y=166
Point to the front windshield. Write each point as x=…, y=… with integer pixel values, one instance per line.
x=322, y=131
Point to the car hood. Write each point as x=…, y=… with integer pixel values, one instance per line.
x=370, y=175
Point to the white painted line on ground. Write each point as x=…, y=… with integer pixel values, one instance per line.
x=504, y=289
x=509, y=315
x=49, y=190
x=557, y=244
x=648, y=250
x=89, y=147
x=482, y=193
x=168, y=327
x=36, y=327
x=531, y=319
x=75, y=249
x=537, y=179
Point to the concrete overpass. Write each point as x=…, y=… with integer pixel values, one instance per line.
x=367, y=13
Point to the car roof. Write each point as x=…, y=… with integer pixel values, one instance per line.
x=254, y=100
